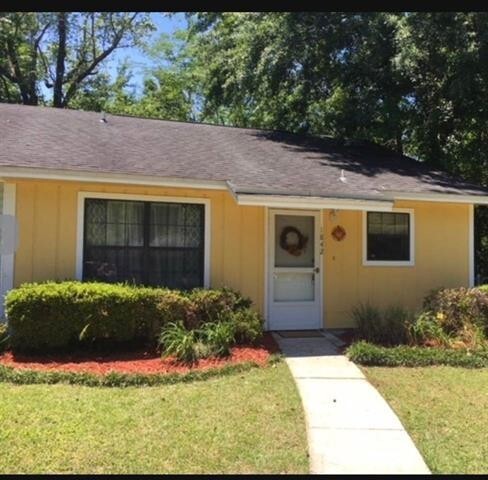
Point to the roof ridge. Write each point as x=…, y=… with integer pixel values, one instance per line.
x=140, y=117
x=345, y=142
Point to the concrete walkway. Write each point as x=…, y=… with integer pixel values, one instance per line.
x=350, y=427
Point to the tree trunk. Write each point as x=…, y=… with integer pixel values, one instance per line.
x=60, y=62
x=399, y=142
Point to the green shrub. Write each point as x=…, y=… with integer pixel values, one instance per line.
x=387, y=327
x=219, y=336
x=175, y=307
x=407, y=356
x=4, y=337
x=454, y=317
x=179, y=341
x=454, y=308
x=208, y=305
x=212, y=338
x=427, y=331
x=248, y=326
x=60, y=315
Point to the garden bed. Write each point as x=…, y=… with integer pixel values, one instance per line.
x=138, y=362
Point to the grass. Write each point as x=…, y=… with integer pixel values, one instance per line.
x=250, y=422
x=445, y=410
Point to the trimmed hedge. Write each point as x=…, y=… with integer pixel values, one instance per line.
x=52, y=315
x=404, y=356
x=29, y=377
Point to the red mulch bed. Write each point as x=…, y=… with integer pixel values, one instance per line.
x=142, y=362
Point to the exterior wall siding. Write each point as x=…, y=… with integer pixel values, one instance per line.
x=47, y=217
x=441, y=260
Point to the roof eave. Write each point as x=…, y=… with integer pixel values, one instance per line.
x=7, y=172
x=309, y=202
x=439, y=197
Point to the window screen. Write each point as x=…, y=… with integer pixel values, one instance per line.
x=388, y=236
x=150, y=243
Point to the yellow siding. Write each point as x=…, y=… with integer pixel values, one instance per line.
x=47, y=216
x=441, y=259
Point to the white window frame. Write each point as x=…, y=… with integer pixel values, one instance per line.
x=82, y=196
x=390, y=263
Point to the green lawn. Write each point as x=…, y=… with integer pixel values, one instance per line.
x=445, y=410
x=242, y=423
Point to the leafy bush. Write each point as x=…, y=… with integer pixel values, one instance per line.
x=387, y=327
x=179, y=341
x=62, y=315
x=407, y=356
x=208, y=305
x=455, y=308
x=4, y=337
x=58, y=315
x=219, y=337
x=213, y=338
x=427, y=331
x=175, y=307
x=248, y=326
x=456, y=317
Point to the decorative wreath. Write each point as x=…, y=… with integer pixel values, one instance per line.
x=295, y=248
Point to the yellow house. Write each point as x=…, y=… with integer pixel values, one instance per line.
x=307, y=227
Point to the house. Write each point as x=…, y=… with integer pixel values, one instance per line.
x=307, y=227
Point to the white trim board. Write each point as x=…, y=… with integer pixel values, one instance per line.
x=439, y=197
x=389, y=263
x=274, y=201
x=313, y=203
x=118, y=178
x=145, y=198
x=8, y=261
x=471, y=252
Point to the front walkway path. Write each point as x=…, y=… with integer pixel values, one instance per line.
x=350, y=427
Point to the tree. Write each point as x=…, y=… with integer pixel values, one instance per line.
x=100, y=93
x=414, y=82
x=63, y=50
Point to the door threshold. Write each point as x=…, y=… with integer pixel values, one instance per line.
x=299, y=333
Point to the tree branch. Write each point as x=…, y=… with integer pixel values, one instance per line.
x=77, y=77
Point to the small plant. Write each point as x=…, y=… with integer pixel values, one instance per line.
x=427, y=331
x=176, y=340
x=368, y=322
x=387, y=327
x=396, y=325
x=219, y=336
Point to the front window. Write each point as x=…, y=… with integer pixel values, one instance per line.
x=149, y=243
x=388, y=237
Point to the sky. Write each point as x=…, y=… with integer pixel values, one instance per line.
x=139, y=62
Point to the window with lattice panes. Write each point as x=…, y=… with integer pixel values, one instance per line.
x=149, y=243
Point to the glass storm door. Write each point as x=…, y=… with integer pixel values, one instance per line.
x=295, y=278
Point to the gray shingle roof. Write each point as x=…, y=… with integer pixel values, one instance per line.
x=250, y=160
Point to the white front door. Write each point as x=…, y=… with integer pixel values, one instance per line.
x=294, y=270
